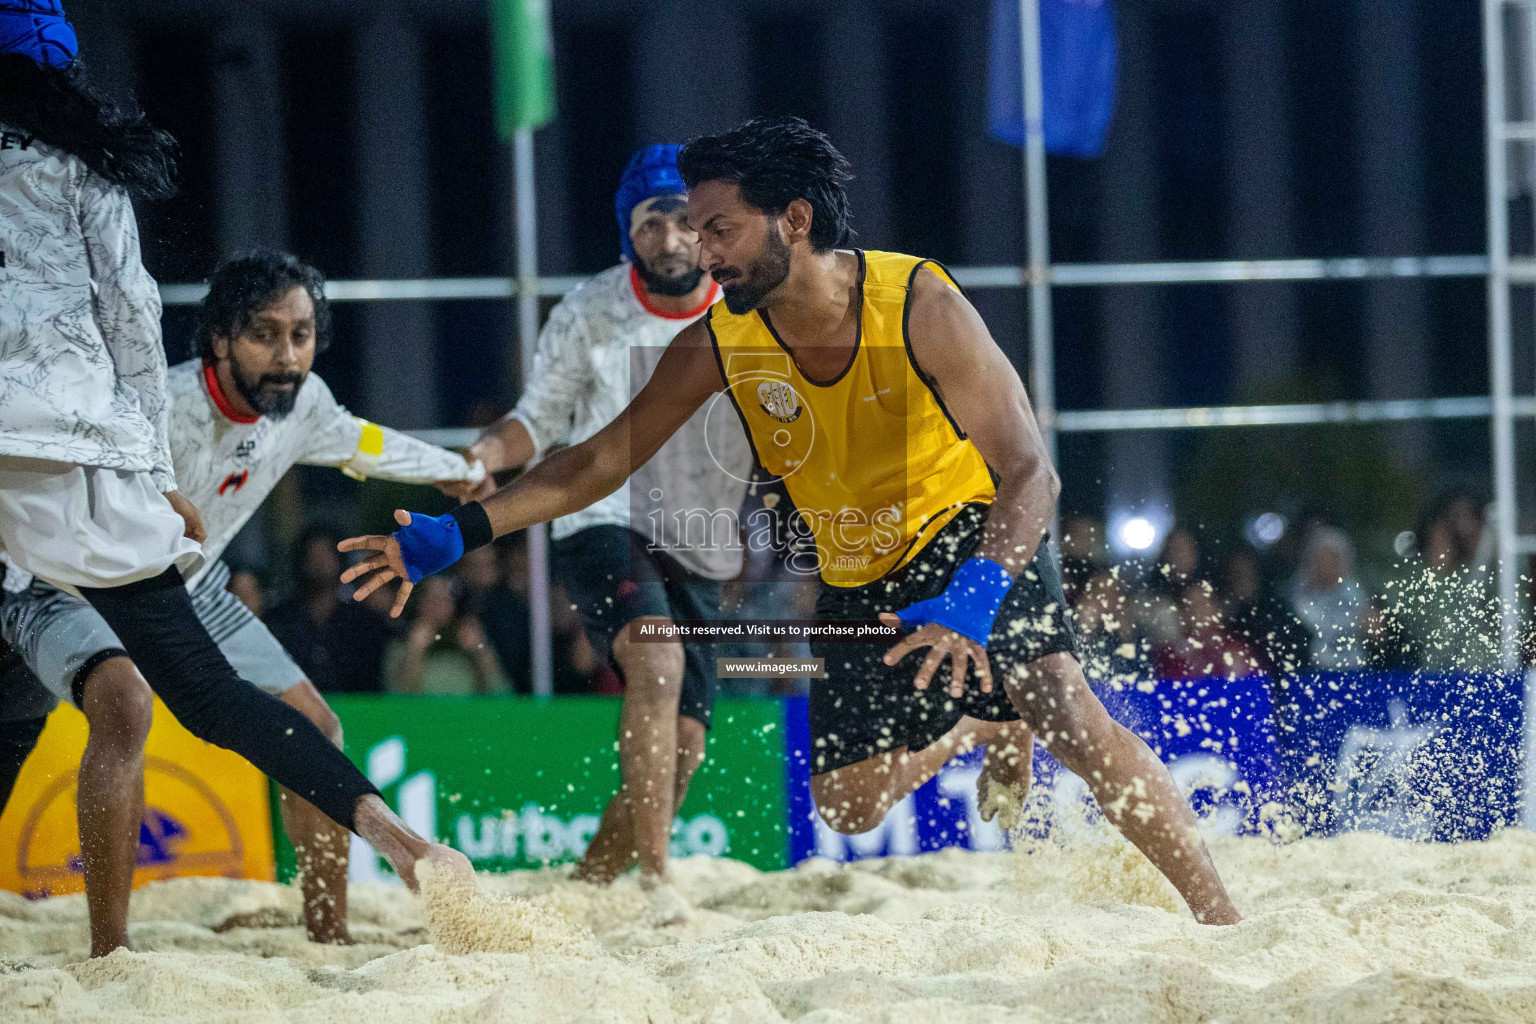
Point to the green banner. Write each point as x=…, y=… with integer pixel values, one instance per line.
x=519, y=783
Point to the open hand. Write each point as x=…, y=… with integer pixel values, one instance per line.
x=385, y=565
x=944, y=642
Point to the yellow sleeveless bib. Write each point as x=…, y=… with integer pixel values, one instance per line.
x=871, y=458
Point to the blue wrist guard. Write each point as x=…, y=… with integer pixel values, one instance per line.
x=969, y=604
x=430, y=544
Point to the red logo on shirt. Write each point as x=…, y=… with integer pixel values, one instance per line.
x=234, y=481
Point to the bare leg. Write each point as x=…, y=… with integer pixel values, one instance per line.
x=118, y=707
x=857, y=797
x=320, y=845
x=648, y=760
x=613, y=848
x=1132, y=787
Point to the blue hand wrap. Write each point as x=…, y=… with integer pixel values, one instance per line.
x=429, y=544
x=969, y=604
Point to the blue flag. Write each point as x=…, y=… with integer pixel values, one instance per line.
x=1077, y=72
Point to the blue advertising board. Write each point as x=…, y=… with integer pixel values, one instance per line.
x=1216, y=736
x=1414, y=756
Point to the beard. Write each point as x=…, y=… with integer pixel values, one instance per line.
x=265, y=392
x=670, y=285
x=747, y=291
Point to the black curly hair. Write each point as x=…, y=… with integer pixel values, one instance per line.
x=776, y=160
x=60, y=107
x=249, y=282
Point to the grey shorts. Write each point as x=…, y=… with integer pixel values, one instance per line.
x=59, y=635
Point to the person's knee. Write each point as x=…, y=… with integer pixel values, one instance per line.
x=845, y=819
x=327, y=722
x=307, y=701
x=841, y=810
x=652, y=672
x=118, y=704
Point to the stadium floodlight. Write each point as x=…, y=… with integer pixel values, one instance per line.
x=1265, y=529
x=1136, y=533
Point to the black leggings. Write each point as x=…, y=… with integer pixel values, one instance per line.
x=16, y=741
x=157, y=626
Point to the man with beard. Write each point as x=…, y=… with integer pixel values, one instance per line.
x=656, y=552
x=240, y=417
x=871, y=386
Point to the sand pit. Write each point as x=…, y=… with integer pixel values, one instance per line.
x=1362, y=928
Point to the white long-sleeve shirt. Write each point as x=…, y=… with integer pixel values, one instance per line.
x=598, y=349
x=227, y=464
x=82, y=370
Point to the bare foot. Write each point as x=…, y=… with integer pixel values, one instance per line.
x=107, y=948
x=455, y=867
x=1224, y=913
x=1003, y=785
x=668, y=906
x=396, y=843
x=329, y=933
x=383, y=830
x=602, y=871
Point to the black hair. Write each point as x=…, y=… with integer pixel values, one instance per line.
x=249, y=282
x=60, y=107
x=776, y=160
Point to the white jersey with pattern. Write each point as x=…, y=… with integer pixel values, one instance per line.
x=598, y=349
x=228, y=464
x=82, y=370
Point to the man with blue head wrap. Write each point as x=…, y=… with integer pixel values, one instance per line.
x=655, y=549
x=652, y=209
x=39, y=30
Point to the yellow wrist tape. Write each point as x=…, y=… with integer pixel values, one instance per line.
x=369, y=447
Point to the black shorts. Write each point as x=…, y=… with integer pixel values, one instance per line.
x=865, y=707
x=613, y=579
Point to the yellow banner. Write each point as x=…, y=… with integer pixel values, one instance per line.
x=206, y=811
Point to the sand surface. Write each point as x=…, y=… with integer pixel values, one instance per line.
x=1362, y=928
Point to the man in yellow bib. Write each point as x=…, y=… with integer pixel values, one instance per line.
x=870, y=385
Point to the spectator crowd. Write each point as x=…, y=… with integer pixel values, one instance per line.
x=1299, y=605
x=1197, y=609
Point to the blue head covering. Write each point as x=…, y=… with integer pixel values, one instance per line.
x=651, y=172
x=37, y=29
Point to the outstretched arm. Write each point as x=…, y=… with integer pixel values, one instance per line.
x=567, y=481
x=362, y=449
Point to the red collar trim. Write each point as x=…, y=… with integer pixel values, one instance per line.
x=666, y=314
x=211, y=382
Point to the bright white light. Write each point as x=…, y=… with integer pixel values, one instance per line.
x=1264, y=530
x=1138, y=533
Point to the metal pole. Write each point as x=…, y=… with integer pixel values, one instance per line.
x=527, y=336
x=1042, y=354
x=1498, y=325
